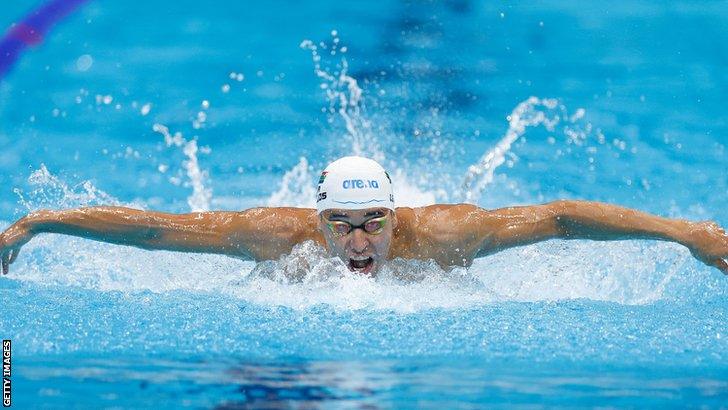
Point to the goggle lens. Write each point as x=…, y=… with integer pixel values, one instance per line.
x=374, y=226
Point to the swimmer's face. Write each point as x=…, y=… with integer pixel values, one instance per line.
x=363, y=252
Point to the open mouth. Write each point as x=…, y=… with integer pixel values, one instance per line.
x=362, y=265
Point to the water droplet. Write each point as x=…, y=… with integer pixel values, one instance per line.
x=84, y=62
x=145, y=109
x=225, y=88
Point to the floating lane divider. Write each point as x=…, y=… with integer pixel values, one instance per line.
x=32, y=29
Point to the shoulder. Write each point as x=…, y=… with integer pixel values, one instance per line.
x=432, y=216
x=442, y=222
x=283, y=215
x=283, y=222
x=269, y=232
x=440, y=210
x=447, y=233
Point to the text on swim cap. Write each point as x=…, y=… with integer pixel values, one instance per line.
x=360, y=183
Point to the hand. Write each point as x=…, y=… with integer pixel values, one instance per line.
x=11, y=241
x=709, y=244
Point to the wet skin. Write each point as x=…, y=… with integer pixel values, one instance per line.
x=451, y=235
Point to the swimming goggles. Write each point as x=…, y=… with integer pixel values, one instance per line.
x=374, y=226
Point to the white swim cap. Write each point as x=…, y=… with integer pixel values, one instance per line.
x=354, y=183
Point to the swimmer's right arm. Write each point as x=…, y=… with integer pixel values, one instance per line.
x=258, y=233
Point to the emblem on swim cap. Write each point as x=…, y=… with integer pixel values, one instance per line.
x=354, y=183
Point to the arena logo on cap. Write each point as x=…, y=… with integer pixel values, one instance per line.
x=323, y=177
x=360, y=184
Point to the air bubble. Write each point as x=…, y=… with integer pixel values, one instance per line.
x=84, y=62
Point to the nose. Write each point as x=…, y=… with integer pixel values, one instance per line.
x=359, y=241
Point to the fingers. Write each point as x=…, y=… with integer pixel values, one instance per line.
x=14, y=255
x=722, y=265
x=8, y=257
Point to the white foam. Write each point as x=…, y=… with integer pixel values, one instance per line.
x=621, y=272
x=632, y=272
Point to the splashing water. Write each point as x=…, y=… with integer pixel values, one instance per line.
x=201, y=195
x=309, y=277
x=532, y=112
x=346, y=100
x=51, y=192
x=296, y=188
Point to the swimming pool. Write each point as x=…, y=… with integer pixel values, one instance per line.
x=620, y=104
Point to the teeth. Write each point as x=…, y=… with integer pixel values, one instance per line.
x=360, y=258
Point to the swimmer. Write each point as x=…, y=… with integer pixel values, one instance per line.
x=356, y=220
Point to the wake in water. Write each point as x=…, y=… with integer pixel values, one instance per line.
x=625, y=272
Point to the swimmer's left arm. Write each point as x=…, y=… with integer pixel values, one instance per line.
x=509, y=227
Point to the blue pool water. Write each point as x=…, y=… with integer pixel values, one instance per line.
x=576, y=100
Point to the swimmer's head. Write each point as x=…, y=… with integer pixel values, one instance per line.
x=356, y=212
x=354, y=183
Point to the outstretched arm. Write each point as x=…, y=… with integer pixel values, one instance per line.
x=259, y=233
x=509, y=227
